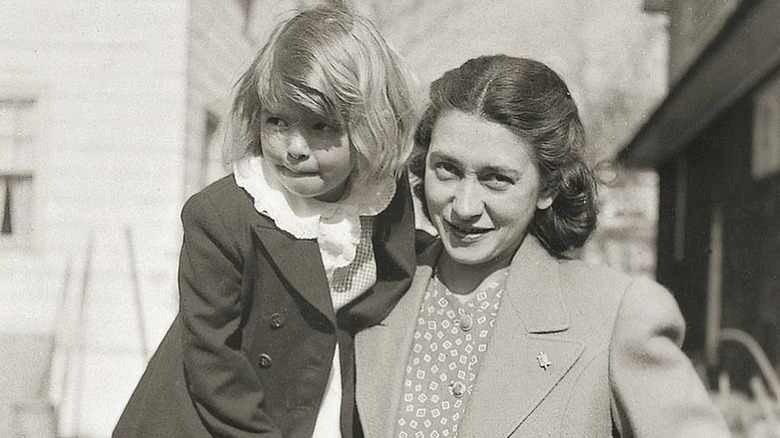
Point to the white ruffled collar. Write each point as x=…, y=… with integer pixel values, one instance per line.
x=335, y=225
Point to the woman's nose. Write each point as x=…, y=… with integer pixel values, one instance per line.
x=467, y=203
x=297, y=146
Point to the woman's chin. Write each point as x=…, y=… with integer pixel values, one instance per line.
x=466, y=254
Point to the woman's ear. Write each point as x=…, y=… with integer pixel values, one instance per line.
x=543, y=203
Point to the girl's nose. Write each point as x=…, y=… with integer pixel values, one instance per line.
x=297, y=147
x=467, y=203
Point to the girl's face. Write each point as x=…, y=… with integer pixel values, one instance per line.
x=311, y=154
x=482, y=189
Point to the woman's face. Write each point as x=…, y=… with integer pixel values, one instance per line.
x=311, y=155
x=482, y=188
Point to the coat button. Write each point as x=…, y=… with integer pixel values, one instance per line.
x=458, y=389
x=264, y=361
x=466, y=322
x=277, y=321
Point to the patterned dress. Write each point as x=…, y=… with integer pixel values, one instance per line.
x=450, y=340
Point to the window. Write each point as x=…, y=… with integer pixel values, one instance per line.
x=246, y=10
x=714, y=285
x=211, y=167
x=17, y=147
x=766, y=130
x=680, y=202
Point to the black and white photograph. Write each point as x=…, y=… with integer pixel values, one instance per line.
x=389, y=219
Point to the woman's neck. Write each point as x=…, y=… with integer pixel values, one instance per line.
x=463, y=279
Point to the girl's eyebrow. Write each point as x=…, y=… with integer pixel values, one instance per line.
x=269, y=111
x=298, y=113
x=289, y=117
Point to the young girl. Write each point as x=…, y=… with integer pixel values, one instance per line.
x=310, y=240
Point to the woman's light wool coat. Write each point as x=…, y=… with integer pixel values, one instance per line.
x=613, y=343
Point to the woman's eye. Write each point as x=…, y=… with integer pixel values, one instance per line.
x=446, y=170
x=497, y=181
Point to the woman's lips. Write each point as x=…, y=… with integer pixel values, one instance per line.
x=465, y=232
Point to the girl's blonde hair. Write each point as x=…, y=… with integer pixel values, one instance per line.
x=337, y=65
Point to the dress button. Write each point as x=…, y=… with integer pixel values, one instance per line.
x=458, y=388
x=277, y=321
x=264, y=361
x=466, y=322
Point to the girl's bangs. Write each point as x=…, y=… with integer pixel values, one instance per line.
x=279, y=89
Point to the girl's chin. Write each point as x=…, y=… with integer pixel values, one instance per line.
x=314, y=191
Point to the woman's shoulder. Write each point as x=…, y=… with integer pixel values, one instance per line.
x=593, y=279
x=609, y=291
x=604, y=280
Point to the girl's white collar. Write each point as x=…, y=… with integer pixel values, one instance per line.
x=335, y=225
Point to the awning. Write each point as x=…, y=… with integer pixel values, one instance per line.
x=737, y=59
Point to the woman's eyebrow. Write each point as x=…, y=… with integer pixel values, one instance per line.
x=444, y=156
x=482, y=170
x=501, y=169
x=510, y=171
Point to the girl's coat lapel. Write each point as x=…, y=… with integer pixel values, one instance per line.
x=530, y=331
x=299, y=262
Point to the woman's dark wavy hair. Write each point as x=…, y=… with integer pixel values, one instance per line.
x=534, y=103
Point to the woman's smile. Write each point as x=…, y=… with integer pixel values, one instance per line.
x=464, y=233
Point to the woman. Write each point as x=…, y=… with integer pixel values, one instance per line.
x=500, y=334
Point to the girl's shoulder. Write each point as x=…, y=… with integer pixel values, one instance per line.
x=222, y=198
x=223, y=192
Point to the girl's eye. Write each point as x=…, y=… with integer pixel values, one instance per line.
x=445, y=170
x=324, y=127
x=497, y=181
x=276, y=121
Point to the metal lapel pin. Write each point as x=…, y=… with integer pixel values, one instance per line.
x=543, y=360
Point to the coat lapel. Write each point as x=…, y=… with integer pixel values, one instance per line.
x=393, y=240
x=531, y=322
x=381, y=353
x=299, y=262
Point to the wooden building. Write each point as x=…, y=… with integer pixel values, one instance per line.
x=715, y=143
x=109, y=113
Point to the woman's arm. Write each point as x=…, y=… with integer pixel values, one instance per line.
x=655, y=390
x=220, y=379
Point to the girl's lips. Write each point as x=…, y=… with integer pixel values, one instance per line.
x=293, y=172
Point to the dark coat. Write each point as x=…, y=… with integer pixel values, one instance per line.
x=256, y=326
